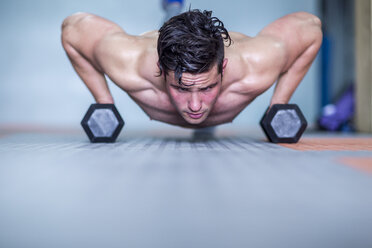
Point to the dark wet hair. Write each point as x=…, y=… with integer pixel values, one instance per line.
x=191, y=42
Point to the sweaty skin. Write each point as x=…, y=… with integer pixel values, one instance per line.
x=282, y=52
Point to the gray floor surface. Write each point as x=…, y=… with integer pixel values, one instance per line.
x=58, y=190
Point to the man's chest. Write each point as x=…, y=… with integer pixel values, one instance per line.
x=158, y=106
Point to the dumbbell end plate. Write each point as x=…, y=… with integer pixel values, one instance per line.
x=102, y=123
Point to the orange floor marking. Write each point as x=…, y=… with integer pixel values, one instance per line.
x=332, y=144
x=364, y=164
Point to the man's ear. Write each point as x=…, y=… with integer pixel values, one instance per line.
x=224, y=64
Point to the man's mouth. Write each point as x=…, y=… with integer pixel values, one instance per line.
x=195, y=116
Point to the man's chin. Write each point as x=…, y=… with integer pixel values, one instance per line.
x=195, y=120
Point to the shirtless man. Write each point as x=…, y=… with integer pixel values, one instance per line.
x=192, y=72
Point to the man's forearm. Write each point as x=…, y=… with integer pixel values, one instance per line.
x=286, y=85
x=93, y=79
x=289, y=80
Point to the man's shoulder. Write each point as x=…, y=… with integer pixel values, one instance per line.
x=255, y=54
x=118, y=44
x=125, y=58
x=254, y=63
x=256, y=51
x=150, y=34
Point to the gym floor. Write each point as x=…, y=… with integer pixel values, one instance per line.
x=171, y=190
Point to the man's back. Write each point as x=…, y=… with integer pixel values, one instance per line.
x=131, y=62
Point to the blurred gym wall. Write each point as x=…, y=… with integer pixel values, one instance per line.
x=38, y=85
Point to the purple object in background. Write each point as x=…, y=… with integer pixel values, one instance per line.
x=335, y=116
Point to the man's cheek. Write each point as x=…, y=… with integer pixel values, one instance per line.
x=179, y=99
x=209, y=98
x=176, y=97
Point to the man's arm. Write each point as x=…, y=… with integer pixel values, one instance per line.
x=301, y=36
x=81, y=34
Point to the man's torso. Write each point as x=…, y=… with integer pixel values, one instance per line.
x=254, y=64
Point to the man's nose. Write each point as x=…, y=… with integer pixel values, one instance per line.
x=195, y=102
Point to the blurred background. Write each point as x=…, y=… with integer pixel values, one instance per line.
x=38, y=86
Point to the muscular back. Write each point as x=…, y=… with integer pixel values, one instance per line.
x=254, y=63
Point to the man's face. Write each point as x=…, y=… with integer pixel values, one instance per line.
x=196, y=96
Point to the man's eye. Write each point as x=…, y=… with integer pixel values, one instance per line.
x=182, y=89
x=207, y=88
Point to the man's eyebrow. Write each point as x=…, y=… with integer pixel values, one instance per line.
x=177, y=86
x=212, y=85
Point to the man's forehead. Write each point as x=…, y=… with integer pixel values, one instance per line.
x=189, y=79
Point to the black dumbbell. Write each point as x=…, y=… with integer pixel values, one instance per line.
x=102, y=123
x=283, y=123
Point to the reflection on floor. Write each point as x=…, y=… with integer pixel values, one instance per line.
x=175, y=190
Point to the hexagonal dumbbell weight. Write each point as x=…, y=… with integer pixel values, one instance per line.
x=283, y=123
x=102, y=123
